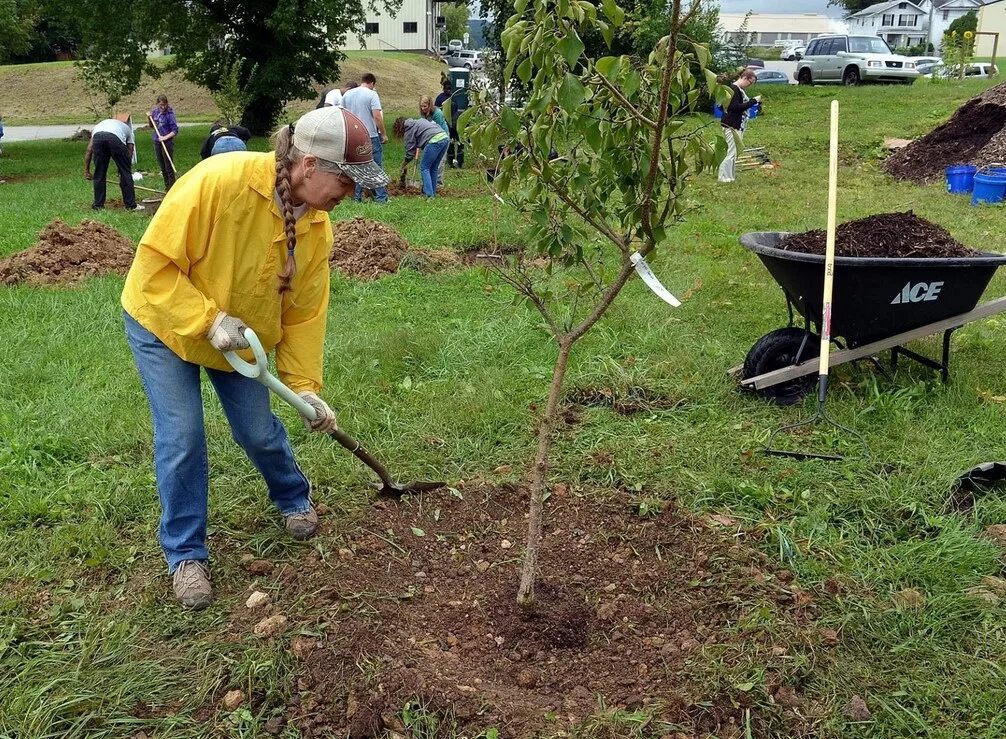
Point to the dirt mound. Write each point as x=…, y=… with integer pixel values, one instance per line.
x=65, y=255
x=975, y=134
x=81, y=134
x=883, y=235
x=366, y=249
x=661, y=613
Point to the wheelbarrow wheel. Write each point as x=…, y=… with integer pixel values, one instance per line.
x=778, y=349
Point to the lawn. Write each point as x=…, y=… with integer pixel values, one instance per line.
x=440, y=374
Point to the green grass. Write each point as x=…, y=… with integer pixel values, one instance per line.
x=440, y=373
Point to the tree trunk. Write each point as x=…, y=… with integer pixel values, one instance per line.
x=525, y=595
x=261, y=114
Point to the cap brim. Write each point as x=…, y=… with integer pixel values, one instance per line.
x=369, y=175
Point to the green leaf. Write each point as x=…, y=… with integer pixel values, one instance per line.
x=524, y=70
x=631, y=84
x=519, y=6
x=609, y=66
x=571, y=47
x=570, y=93
x=608, y=34
x=614, y=13
x=509, y=120
x=702, y=54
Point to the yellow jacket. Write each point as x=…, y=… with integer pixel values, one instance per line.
x=217, y=243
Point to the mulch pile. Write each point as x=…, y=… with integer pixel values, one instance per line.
x=65, y=255
x=366, y=249
x=975, y=134
x=663, y=613
x=884, y=235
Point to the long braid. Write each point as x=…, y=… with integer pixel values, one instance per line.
x=284, y=140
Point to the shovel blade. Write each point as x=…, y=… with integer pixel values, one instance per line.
x=397, y=490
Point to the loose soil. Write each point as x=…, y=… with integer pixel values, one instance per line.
x=883, y=235
x=366, y=249
x=66, y=255
x=627, y=401
x=665, y=614
x=150, y=205
x=975, y=134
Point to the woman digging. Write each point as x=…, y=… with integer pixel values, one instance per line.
x=734, y=121
x=426, y=139
x=165, y=128
x=241, y=240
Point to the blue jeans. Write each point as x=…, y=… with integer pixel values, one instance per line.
x=381, y=193
x=228, y=143
x=180, y=460
x=429, y=165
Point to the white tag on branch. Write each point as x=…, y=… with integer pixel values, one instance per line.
x=651, y=280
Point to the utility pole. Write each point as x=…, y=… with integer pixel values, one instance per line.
x=929, y=31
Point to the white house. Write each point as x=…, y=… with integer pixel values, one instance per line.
x=765, y=29
x=412, y=28
x=899, y=22
x=944, y=12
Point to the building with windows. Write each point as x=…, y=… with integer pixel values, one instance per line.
x=992, y=20
x=899, y=23
x=412, y=28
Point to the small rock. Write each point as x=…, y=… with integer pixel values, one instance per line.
x=247, y=558
x=607, y=611
x=689, y=644
x=274, y=725
x=345, y=553
x=270, y=627
x=233, y=699
x=560, y=489
x=257, y=599
x=452, y=641
x=421, y=575
x=610, y=587
x=909, y=598
x=260, y=567
x=856, y=710
x=481, y=565
x=506, y=544
x=527, y=679
x=829, y=637
x=499, y=641
x=997, y=533
x=302, y=646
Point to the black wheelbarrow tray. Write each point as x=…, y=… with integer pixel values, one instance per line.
x=878, y=304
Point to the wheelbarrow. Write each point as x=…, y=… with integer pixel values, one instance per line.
x=878, y=304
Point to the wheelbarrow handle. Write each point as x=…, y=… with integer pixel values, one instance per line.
x=259, y=370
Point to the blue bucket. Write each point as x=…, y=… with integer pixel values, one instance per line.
x=753, y=111
x=717, y=111
x=989, y=187
x=961, y=179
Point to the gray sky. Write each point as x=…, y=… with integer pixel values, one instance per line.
x=779, y=6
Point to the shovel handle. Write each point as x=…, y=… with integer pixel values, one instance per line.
x=259, y=370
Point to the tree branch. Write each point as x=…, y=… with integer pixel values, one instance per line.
x=525, y=288
x=625, y=102
x=602, y=305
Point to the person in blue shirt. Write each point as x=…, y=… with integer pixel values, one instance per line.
x=165, y=128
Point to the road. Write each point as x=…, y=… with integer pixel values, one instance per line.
x=39, y=133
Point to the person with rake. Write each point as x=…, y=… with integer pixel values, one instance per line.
x=240, y=241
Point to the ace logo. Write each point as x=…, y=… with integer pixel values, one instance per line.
x=918, y=293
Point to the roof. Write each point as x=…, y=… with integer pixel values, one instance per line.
x=883, y=7
x=814, y=23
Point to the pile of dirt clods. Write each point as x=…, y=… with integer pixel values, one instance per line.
x=65, y=255
x=366, y=249
x=975, y=134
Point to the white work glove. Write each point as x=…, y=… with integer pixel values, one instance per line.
x=325, y=419
x=227, y=333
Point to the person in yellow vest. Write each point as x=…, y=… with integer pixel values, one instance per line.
x=240, y=241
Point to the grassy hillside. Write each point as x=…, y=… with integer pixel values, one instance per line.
x=52, y=93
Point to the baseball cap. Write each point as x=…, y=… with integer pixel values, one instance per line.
x=338, y=136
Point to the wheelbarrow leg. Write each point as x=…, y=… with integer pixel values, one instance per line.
x=945, y=369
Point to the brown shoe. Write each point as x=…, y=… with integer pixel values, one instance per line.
x=302, y=526
x=191, y=582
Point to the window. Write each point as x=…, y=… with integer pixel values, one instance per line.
x=410, y=27
x=946, y=15
x=812, y=49
x=908, y=20
x=888, y=20
x=371, y=28
x=838, y=44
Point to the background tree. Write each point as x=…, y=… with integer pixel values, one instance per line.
x=852, y=6
x=284, y=46
x=17, y=21
x=967, y=22
x=598, y=162
x=457, y=16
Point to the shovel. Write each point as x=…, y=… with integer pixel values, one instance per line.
x=259, y=370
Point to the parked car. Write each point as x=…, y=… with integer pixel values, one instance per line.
x=920, y=60
x=442, y=50
x=771, y=77
x=975, y=70
x=755, y=64
x=794, y=53
x=852, y=60
x=465, y=58
x=455, y=44
x=925, y=68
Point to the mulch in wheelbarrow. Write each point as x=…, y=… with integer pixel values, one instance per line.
x=889, y=235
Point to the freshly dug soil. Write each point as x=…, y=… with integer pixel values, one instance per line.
x=883, y=235
x=366, y=249
x=975, y=134
x=626, y=401
x=65, y=255
x=150, y=205
x=664, y=613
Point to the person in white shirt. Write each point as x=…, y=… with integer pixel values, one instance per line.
x=112, y=140
x=364, y=102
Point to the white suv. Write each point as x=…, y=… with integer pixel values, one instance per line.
x=852, y=60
